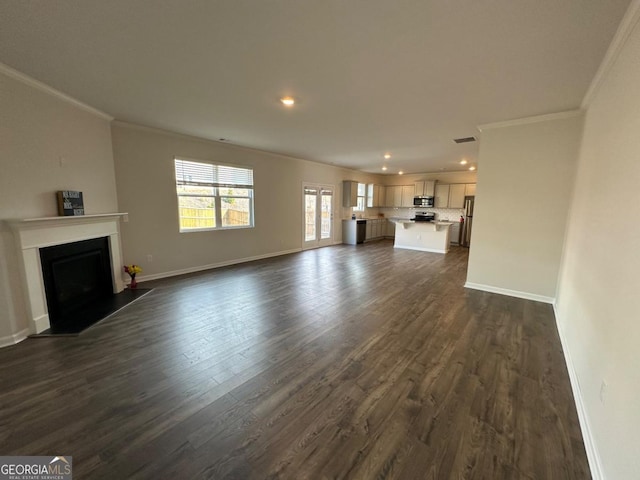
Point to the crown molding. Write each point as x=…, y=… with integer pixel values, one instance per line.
x=536, y=119
x=629, y=21
x=43, y=87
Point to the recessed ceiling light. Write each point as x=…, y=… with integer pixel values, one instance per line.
x=400, y=172
x=387, y=156
x=463, y=161
x=384, y=169
x=472, y=168
x=288, y=101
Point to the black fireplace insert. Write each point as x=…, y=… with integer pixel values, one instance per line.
x=76, y=276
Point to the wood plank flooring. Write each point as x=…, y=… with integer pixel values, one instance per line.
x=343, y=362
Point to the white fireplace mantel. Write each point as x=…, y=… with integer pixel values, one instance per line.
x=32, y=234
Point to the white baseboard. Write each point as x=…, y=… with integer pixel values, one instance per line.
x=211, y=266
x=41, y=323
x=13, y=339
x=589, y=445
x=511, y=293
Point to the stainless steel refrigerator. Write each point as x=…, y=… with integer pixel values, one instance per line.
x=465, y=234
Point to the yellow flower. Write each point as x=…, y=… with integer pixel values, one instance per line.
x=132, y=269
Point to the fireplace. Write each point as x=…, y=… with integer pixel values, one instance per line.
x=76, y=276
x=35, y=236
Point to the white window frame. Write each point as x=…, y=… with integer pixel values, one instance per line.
x=217, y=196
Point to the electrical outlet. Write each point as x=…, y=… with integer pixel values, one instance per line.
x=149, y=258
x=604, y=387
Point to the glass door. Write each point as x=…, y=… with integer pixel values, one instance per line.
x=318, y=216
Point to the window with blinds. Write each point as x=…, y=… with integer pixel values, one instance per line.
x=212, y=197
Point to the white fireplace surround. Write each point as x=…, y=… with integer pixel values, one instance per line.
x=32, y=234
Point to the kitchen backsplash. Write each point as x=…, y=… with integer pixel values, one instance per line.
x=452, y=214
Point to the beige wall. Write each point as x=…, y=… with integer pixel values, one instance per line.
x=524, y=186
x=146, y=190
x=46, y=144
x=597, y=307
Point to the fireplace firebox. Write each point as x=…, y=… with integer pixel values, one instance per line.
x=77, y=277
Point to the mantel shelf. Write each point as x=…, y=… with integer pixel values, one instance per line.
x=21, y=223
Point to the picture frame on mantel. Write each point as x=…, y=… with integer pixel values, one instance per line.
x=70, y=203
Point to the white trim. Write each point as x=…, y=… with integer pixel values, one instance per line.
x=421, y=249
x=22, y=223
x=527, y=120
x=631, y=17
x=200, y=268
x=511, y=293
x=13, y=339
x=43, y=87
x=42, y=322
x=587, y=436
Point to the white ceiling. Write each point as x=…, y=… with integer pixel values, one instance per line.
x=404, y=76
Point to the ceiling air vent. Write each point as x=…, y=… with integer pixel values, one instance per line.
x=464, y=139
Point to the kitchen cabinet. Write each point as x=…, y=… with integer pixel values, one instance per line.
x=375, y=195
x=442, y=196
x=457, y=191
x=398, y=196
x=393, y=196
x=426, y=188
x=470, y=189
x=381, y=195
x=349, y=193
x=407, y=196
x=390, y=229
x=375, y=228
x=388, y=197
x=454, y=233
x=369, y=225
x=370, y=192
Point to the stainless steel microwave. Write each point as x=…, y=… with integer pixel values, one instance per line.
x=427, y=202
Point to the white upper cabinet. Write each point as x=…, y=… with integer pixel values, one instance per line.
x=425, y=188
x=393, y=196
x=470, y=191
x=442, y=195
x=375, y=195
x=349, y=193
x=457, y=192
x=430, y=188
x=381, y=195
x=370, y=195
x=407, y=196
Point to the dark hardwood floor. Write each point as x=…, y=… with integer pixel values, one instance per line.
x=344, y=362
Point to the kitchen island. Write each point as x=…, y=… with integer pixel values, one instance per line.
x=422, y=236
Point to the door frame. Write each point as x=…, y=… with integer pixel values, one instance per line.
x=318, y=242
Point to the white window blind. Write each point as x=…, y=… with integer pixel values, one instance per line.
x=208, y=175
